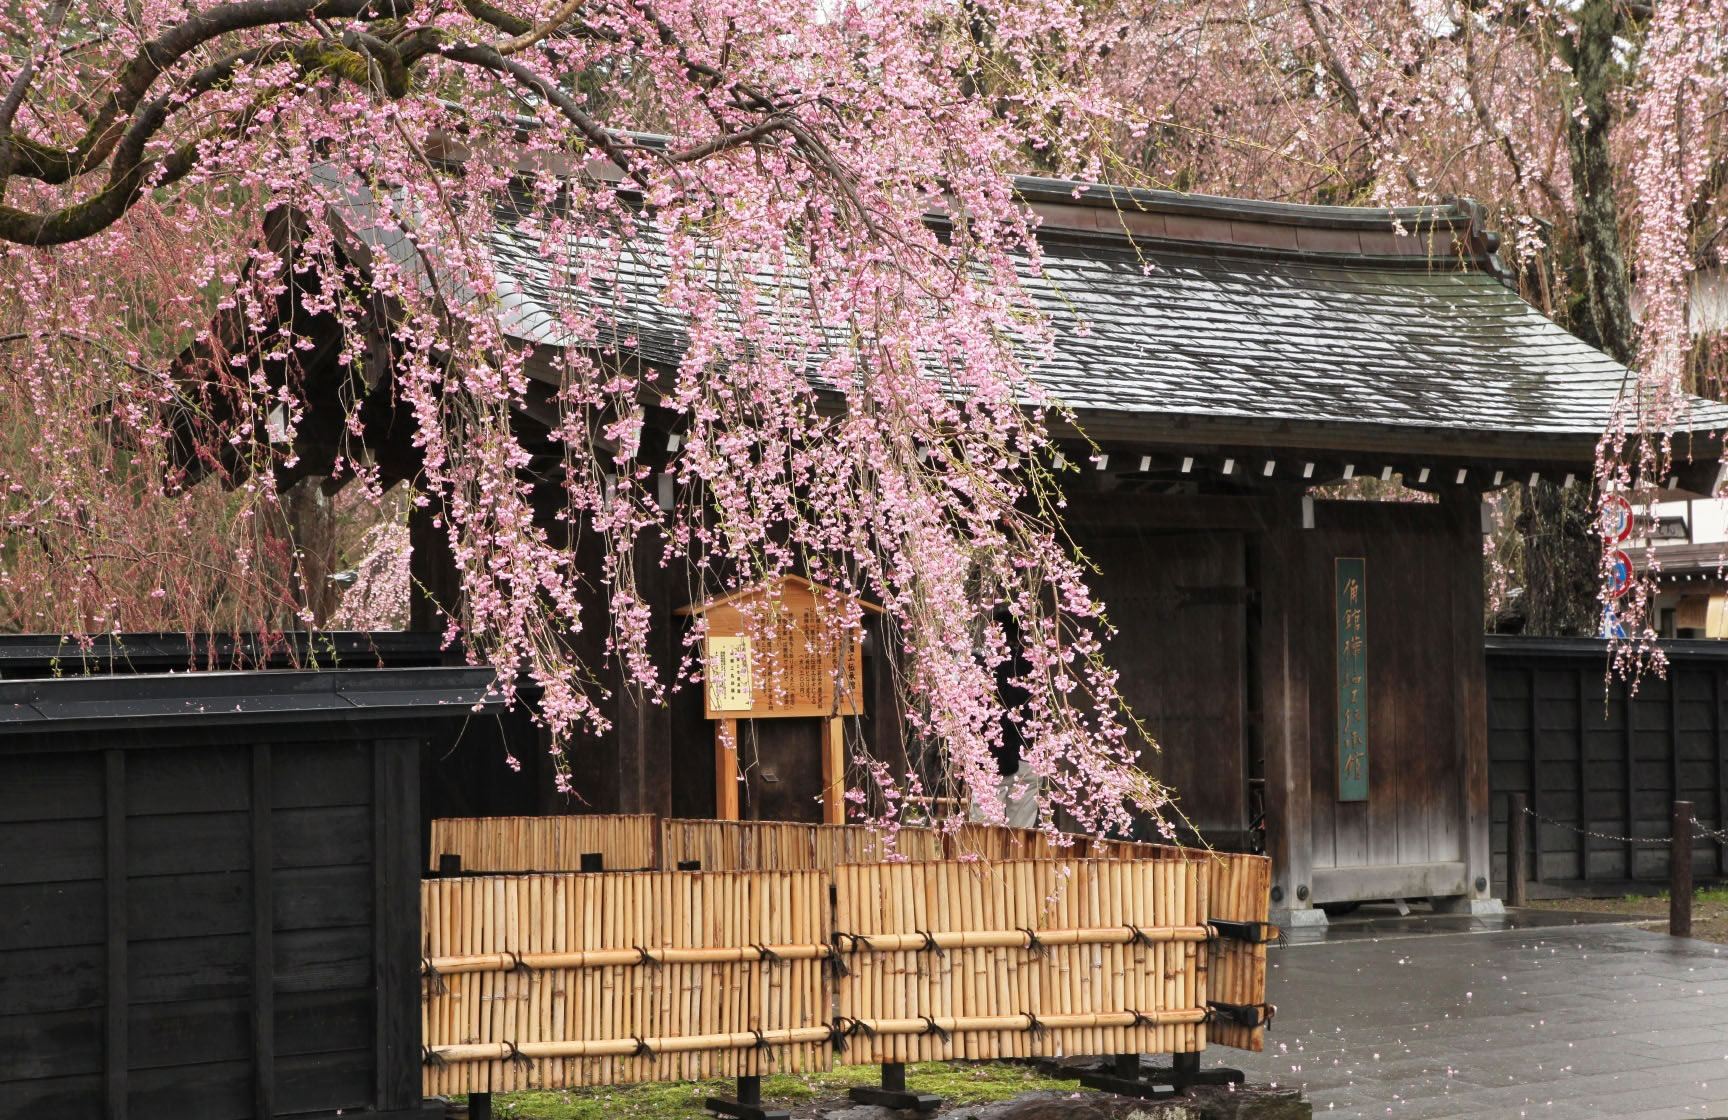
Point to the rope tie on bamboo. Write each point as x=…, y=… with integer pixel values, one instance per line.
x=643, y=1050
x=645, y=957
x=517, y=964
x=931, y=1026
x=930, y=945
x=433, y=1058
x=1140, y=1020
x=1038, y=948
x=430, y=971
x=1137, y=936
x=767, y=955
x=856, y=939
x=856, y=1027
x=1032, y=1023
x=761, y=1042
x=836, y=961
x=837, y=1035
x=517, y=1057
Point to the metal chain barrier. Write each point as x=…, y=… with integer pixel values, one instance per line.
x=1698, y=830
x=1719, y=835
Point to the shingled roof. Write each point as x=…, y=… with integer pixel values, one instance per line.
x=1183, y=317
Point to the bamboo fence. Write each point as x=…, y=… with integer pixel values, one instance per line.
x=994, y=842
x=625, y=842
x=562, y=980
x=1021, y=958
x=1014, y=945
x=783, y=845
x=1240, y=890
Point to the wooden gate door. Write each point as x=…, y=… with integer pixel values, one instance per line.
x=1399, y=833
x=1179, y=602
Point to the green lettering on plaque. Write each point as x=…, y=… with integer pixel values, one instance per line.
x=1351, y=603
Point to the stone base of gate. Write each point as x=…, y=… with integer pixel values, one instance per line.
x=1306, y=918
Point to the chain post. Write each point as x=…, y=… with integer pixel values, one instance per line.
x=1680, y=872
x=1517, y=847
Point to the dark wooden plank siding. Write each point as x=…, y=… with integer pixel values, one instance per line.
x=211, y=923
x=243, y=955
x=1593, y=759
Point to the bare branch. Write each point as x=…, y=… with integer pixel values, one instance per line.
x=526, y=39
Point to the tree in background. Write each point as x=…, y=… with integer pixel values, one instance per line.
x=1593, y=131
x=783, y=216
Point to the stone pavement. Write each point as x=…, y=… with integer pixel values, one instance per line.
x=1388, y=1019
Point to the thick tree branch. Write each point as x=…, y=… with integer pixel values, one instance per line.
x=1591, y=56
x=49, y=164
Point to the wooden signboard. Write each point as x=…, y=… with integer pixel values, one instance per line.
x=768, y=655
x=1350, y=599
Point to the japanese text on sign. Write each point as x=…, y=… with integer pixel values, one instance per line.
x=728, y=674
x=778, y=652
x=1351, y=604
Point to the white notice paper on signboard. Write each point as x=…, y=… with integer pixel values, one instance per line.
x=728, y=672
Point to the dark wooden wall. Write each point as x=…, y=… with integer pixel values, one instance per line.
x=209, y=921
x=1591, y=757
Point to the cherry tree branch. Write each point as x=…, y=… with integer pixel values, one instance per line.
x=38, y=160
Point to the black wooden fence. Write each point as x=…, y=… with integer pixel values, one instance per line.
x=209, y=899
x=1602, y=768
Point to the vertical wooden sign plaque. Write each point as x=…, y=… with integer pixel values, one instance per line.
x=1350, y=600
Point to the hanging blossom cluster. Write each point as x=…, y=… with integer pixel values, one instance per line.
x=727, y=288
x=1685, y=87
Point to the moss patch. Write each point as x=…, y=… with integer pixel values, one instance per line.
x=955, y=1083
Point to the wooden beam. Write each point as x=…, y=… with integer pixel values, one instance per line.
x=436, y=583
x=726, y=769
x=396, y=920
x=834, y=770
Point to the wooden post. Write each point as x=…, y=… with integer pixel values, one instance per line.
x=1470, y=696
x=1680, y=872
x=1284, y=702
x=834, y=770
x=726, y=769
x=1517, y=847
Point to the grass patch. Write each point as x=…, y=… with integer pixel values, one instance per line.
x=1709, y=910
x=954, y=1082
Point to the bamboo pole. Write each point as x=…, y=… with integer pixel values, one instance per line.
x=625, y=1047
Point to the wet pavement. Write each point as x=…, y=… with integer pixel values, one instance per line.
x=1537, y=1014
